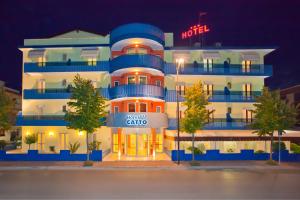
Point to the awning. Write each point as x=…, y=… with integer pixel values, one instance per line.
x=252, y=56
x=36, y=53
x=89, y=53
x=211, y=55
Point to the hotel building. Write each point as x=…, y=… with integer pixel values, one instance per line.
x=134, y=68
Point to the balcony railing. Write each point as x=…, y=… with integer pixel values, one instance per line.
x=136, y=91
x=56, y=93
x=137, y=60
x=137, y=30
x=219, y=124
x=219, y=96
x=138, y=120
x=220, y=69
x=73, y=66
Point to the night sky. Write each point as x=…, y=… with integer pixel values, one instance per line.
x=232, y=22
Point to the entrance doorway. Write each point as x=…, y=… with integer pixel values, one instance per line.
x=137, y=144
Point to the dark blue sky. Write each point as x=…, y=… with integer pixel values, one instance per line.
x=232, y=22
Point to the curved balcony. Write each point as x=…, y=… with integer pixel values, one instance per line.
x=220, y=69
x=66, y=67
x=136, y=91
x=138, y=120
x=137, y=30
x=137, y=60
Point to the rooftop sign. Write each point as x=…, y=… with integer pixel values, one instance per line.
x=195, y=30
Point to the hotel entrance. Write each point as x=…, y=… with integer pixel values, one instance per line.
x=137, y=144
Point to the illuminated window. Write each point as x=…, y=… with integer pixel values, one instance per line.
x=143, y=107
x=208, y=88
x=41, y=61
x=92, y=61
x=180, y=89
x=248, y=115
x=136, y=50
x=211, y=116
x=143, y=79
x=247, y=89
x=208, y=64
x=131, y=80
x=131, y=107
x=246, y=66
x=115, y=143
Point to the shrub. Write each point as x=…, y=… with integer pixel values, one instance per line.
x=259, y=151
x=295, y=148
x=196, y=150
x=2, y=144
x=74, y=147
x=275, y=147
x=52, y=149
x=31, y=139
x=230, y=150
x=95, y=145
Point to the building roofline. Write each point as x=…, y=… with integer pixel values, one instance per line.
x=291, y=87
x=63, y=46
x=272, y=48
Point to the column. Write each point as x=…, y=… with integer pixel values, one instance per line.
x=119, y=142
x=153, y=132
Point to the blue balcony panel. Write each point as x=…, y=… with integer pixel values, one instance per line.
x=218, y=96
x=137, y=60
x=100, y=66
x=218, y=124
x=219, y=69
x=56, y=93
x=137, y=91
x=137, y=30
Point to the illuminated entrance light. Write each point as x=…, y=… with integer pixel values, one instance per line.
x=195, y=30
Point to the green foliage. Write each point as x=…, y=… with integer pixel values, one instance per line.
x=295, y=148
x=272, y=114
x=87, y=107
x=197, y=150
x=259, y=151
x=2, y=144
x=74, y=147
x=6, y=110
x=95, y=145
x=52, y=149
x=18, y=141
x=275, y=147
x=31, y=139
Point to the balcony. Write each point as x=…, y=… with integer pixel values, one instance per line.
x=137, y=30
x=55, y=93
x=219, y=69
x=136, y=91
x=66, y=67
x=42, y=120
x=137, y=60
x=219, y=124
x=138, y=120
x=219, y=96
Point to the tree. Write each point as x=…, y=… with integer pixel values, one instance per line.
x=87, y=108
x=31, y=139
x=6, y=111
x=272, y=114
x=196, y=114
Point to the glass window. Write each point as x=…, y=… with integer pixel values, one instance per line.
x=208, y=88
x=158, y=83
x=143, y=79
x=136, y=50
x=64, y=108
x=131, y=107
x=116, y=83
x=246, y=66
x=41, y=62
x=247, y=89
x=92, y=61
x=143, y=107
x=158, y=109
x=131, y=80
x=208, y=63
x=64, y=57
x=116, y=109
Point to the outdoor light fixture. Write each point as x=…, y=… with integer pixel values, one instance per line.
x=51, y=133
x=80, y=133
x=27, y=133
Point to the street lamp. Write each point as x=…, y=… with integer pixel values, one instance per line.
x=179, y=65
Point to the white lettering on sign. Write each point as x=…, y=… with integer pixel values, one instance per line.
x=137, y=120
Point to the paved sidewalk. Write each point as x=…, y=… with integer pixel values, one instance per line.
x=249, y=165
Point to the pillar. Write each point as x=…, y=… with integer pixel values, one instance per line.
x=119, y=142
x=153, y=132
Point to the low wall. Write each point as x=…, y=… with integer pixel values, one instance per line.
x=212, y=155
x=64, y=155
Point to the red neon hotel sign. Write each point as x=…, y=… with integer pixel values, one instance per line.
x=194, y=30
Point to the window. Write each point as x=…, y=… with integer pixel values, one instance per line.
x=116, y=109
x=181, y=114
x=248, y=115
x=64, y=83
x=94, y=83
x=208, y=88
x=208, y=64
x=210, y=114
x=64, y=57
x=131, y=80
x=143, y=79
x=180, y=89
x=2, y=133
x=158, y=83
x=143, y=107
x=229, y=85
x=64, y=108
x=41, y=61
x=136, y=50
x=229, y=109
x=41, y=85
x=131, y=107
x=116, y=83
x=246, y=66
x=247, y=88
x=158, y=109
x=92, y=61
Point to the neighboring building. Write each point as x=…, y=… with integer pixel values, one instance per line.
x=134, y=68
x=16, y=97
x=292, y=96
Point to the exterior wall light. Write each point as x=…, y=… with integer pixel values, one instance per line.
x=51, y=133
x=80, y=133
